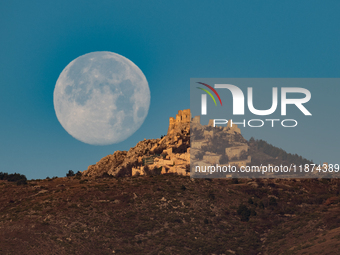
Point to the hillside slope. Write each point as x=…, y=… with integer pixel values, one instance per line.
x=170, y=214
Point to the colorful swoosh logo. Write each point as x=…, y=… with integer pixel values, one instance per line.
x=208, y=92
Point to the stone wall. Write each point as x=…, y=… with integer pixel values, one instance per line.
x=183, y=117
x=240, y=163
x=212, y=158
x=235, y=152
x=198, y=144
x=233, y=128
x=197, y=119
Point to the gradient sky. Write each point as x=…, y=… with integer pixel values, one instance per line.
x=171, y=42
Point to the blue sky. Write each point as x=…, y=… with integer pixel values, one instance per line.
x=170, y=42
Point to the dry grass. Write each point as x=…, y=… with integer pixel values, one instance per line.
x=169, y=214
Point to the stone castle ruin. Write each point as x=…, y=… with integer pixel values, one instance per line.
x=173, y=152
x=171, y=162
x=187, y=144
x=236, y=148
x=218, y=145
x=182, y=119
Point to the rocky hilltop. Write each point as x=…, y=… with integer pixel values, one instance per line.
x=188, y=143
x=169, y=154
x=218, y=145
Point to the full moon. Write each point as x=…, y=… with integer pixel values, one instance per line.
x=101, y=98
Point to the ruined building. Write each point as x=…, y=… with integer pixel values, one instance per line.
x=182, y=119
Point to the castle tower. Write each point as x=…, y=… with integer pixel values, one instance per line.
x=183, y=116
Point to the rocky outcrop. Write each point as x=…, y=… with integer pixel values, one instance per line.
x=107, y=164
x=171, y=153
x=120, y=162
x=218, y=145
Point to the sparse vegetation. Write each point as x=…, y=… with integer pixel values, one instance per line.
x=276, y=152
x=153, y=213
x=181, y=149
x=20, y=179
x=70, y=173
x=244, y=212
x=217, y=145
x=272, y=201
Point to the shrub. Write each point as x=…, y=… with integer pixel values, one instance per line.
x=211, y=195
x=159, y=149
x=125, y=171
x=261, y=205
x=20, y=179
x=275, y=192
x=244, y=212
x=70, y=173
x=106, y=175
x=234, y=181
x=147, y=170
x=22, y=182
x=157, y=171
x=271, y=184
x=180, y=149
x=277, y=152
x=78, y=175
x=272, y=201
x=187, y=168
